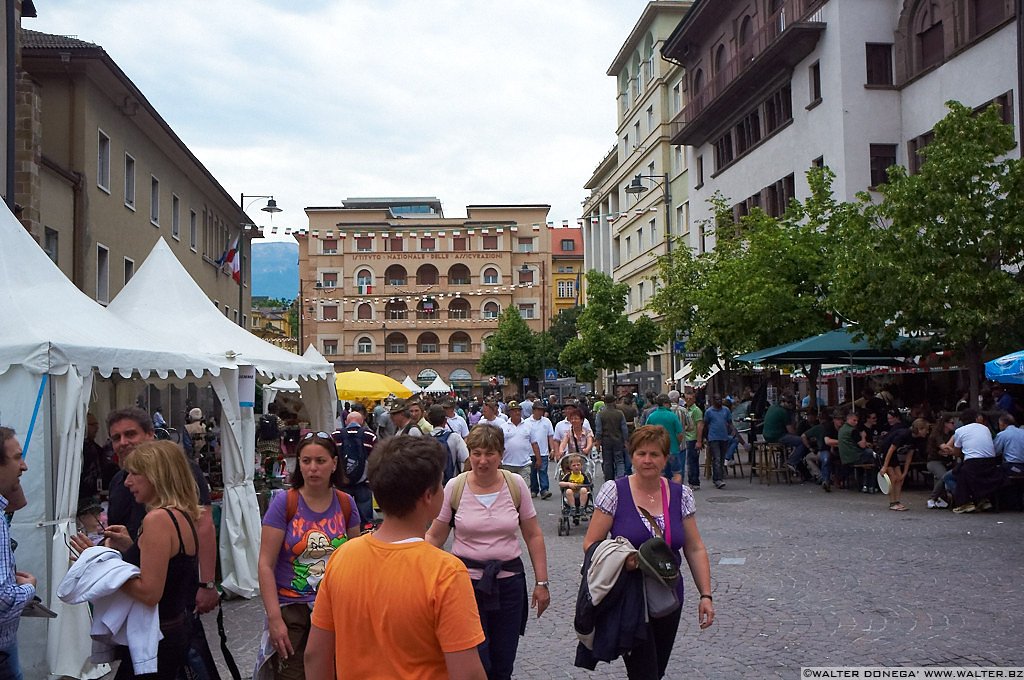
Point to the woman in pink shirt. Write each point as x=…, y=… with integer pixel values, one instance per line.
x=488, y=511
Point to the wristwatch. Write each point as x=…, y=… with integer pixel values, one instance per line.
x=209, y=585
x=542, y=584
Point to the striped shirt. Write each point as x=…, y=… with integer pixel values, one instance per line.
x=13, y=597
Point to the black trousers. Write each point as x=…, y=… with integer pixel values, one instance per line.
x=649, y=660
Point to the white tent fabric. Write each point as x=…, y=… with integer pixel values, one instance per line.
x=52, y=342
x=186, y=314
x=271, y=391
x=437, y=387
x=411, y=384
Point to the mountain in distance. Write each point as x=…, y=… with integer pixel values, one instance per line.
x=275, y=269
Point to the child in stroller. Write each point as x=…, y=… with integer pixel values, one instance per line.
x=577, y=484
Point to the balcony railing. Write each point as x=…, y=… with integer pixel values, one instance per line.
x=792, y=13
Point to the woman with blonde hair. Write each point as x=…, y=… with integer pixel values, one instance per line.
x=159, y=478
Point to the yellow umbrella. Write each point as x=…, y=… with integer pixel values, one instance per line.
x=356, y=385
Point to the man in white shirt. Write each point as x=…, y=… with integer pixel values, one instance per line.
x=527, y=405
x=492, y=416
x=518, y=446
x=456, y=423
x=542, y=439
x=979, y=475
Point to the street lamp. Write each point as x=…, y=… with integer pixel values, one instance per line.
x=637, y=187
x=384, y=329
x=243, y=226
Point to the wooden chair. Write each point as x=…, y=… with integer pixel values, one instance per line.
x=770, y=458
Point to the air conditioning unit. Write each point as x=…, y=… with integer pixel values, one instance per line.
x=319, y=284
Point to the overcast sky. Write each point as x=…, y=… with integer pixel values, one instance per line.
x=321, y=100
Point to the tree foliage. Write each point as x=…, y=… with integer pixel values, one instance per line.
x=941, y=252
x=607, y=339
x=560, y=332
x=513, y=349
x=764, y=284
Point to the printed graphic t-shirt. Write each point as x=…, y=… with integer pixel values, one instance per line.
x=309, y=540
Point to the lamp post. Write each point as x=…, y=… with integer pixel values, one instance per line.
x=243, y=226
x=384, y=330
x=637, y=187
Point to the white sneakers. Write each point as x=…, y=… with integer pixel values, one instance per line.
x=937, y=503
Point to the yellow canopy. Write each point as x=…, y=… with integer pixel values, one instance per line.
x=356, y=385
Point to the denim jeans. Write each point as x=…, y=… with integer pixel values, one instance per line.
x=539, y=478
x=798, y=448
x=819, y=464
x=733, y=445
x=716, y=450
x=613, y=455
x=692, y=463
x=10, y=667
x=938, y=470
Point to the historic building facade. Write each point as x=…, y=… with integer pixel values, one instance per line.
x=567, y=273
x=100, y=176
x=638, y=205
x=391, y=285
x=774, y=87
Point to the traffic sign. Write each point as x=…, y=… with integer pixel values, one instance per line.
x=550, y=374
x=690, y=356
x=679, y=346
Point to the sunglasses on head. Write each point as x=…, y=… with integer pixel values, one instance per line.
x=321, y=435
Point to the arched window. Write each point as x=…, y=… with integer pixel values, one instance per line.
x=485, y=342
x=746, y=32
x=364, y=281
x=427, y=309
x=929, y=45
x=458, y=275
x=364, y=311
x=491, y=310
x=491, y=275
x=396, y=309
x=364, y=345
x=720, y=59
x=427, y=343
x=395, y=275
x=698, y=81
x=458, y=309
x=460, y=375
x=459, y=342
x=397, y=343
x=426, y=275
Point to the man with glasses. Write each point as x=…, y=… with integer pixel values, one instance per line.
x=17, y=588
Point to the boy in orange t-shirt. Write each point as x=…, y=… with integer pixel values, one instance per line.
x=391, y=605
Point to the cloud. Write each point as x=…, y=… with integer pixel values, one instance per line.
x=318, y=101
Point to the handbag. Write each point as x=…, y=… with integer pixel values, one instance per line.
x=661, y=573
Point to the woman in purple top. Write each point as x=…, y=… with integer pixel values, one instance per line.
x=618, y=513
x=301, y=530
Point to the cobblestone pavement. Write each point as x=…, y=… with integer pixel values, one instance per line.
x=800, y=577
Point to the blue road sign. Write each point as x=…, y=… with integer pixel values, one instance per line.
x=550, y=374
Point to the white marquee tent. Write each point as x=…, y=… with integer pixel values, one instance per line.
x=53, y=342
x=411, y=385
x=164, y=299
x=437, y=387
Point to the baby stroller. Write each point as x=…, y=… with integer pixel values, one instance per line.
x=570, y=516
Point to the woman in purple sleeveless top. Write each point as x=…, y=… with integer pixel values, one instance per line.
x=617, y=512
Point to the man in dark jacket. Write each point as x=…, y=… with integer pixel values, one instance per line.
x=610, y=429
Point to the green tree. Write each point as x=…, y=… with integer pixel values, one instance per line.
x=513, y=349
x=941, y=252
x=561, y=330
x=764, y=284
x=607, y=339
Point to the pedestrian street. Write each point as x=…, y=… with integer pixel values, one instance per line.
x=800, y=577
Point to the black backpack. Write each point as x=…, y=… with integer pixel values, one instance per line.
x=450, y=464
x=268, y=429
x=353, y=449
